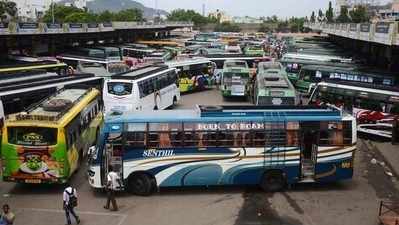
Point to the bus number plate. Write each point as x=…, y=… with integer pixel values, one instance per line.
x=33, y=181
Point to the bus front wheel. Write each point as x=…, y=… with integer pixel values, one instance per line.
x=140, y=184
x=273, y=181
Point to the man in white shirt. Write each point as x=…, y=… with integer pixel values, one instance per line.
x=113, y=184
x=70, y=197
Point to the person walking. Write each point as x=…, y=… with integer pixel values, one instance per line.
x=7, y=217
x=70, y=197
x=113, y=183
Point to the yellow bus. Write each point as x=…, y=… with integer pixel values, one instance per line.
x=47, y=142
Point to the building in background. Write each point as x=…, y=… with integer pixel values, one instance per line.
x=221, y=16
x=31, y=10
x=390, y=14
x=247, y=19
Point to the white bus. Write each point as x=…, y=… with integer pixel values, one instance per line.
x=148, y=88
x=315, y=57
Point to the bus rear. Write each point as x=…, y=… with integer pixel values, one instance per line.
x=119, y=96
x=235, y=78
x=34, y=154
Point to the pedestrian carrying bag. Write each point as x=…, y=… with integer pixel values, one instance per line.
x=73, y=201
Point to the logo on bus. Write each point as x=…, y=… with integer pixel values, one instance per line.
x=153, y=153
x=31, y=137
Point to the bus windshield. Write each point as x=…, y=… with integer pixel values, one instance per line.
x=120, y=88
x=32, y=136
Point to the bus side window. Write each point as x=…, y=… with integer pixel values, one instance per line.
x=191, y=138
x=259, y=138
x=347, y=132
x=292, y=134
x=176, y=134
x=136, y=137
x=226, y=138
x=210, y=138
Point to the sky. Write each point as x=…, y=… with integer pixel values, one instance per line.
x=255, y=8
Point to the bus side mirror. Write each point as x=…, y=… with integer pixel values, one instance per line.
x=92, y=152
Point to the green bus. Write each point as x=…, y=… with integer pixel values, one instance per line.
x=272, y=87
x=293, y=66
x=235, y=79
x=311, y=75
x=254, y=50
x=48, y=142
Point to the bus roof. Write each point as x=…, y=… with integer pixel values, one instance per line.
x=44, y=82
x=359, y=86
x=141, y=72
x=69, y=103
x=187, y=62
x=230, y=113
x=30, y=66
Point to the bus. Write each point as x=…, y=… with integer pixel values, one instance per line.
x=109, y=57
x=272, y=87
x=369, y=103
x=136, y=50
x=229, y=145
x=193, y=74
x=158, y=56
x=313, y=74
x=152, y=87
x=47, y=142
x=254, y=50
x=235, y=80
x=18, y=67
x=293, y=66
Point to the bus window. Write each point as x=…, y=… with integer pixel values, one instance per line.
x=292, y=134
x=259, y=138
x=176, y=134
x=190, y=136
x=135, y=136
x=331, y=133
x=347, y=132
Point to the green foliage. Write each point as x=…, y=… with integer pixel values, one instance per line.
x=359, y=14
x=320, y=17
x=128, y=15
x=265, y=28
x=313, y=17
x=190, y=15
x=70, y=14
x=227, y=27
x=330, y=13
x=343, y=17
x=8, y=7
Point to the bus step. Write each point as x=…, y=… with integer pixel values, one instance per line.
x=307, y=180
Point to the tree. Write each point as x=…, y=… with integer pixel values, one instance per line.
x=60, y=13
x=320, y=18
x=129, y=15
x=343, y=16
x=8, y=7
x=359, y=14
x=105, y=16
x=313, y=17
x=330, y=13
x=227, y=27
x=80, y=17
x=189, y=15
x=264, y=28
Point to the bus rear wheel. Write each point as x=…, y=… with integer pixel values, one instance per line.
x=140, y=184
x=273, y=181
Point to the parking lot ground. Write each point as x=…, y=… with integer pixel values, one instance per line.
x=349, y=202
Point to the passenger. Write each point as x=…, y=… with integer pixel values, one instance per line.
x=7, y=217
x=70, y=199
x=113, y=181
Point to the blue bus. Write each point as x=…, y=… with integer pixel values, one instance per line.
x=225, y=145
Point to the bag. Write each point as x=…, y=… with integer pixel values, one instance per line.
x=73, y=201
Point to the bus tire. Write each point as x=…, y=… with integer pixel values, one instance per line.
x=174, y=100
x=140, y=184
x=273, y=181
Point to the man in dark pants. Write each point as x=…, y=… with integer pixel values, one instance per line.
x=113, y=183
x=70, y=202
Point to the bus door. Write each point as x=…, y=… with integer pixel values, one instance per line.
x=113, y=156
x=309, y=136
